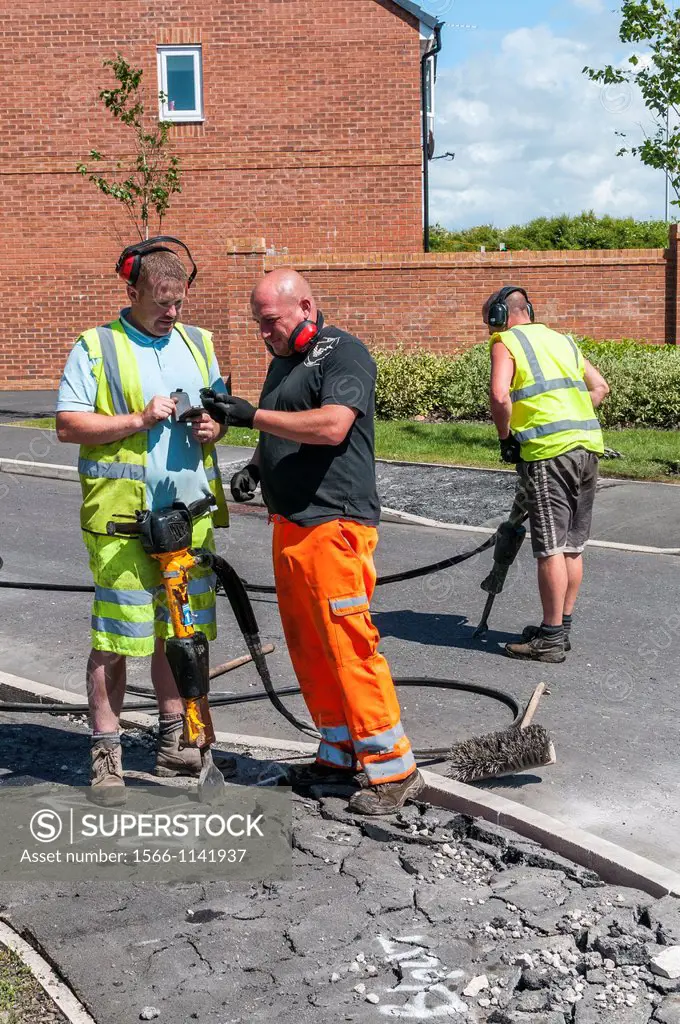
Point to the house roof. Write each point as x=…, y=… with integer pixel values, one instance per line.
x=418, y=12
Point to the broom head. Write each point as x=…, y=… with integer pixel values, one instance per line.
x=501, y=753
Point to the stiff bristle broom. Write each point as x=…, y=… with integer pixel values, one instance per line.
x=518, y=749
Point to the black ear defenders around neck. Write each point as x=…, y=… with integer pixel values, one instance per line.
x=304, y=334
x=498, y=310
x=130, y=260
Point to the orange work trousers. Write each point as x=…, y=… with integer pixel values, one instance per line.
x=325, y=578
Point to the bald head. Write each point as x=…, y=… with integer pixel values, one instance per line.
x=283, y=284
x=518, y=309
x=281, y=301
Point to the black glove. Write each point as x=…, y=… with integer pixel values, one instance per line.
x=227, y=409
x=244, y=482
x=510, y=452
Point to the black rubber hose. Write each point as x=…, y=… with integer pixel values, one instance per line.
x=398, y=577
x=447, y=563
x=216, y=700
x=236, y=591
x=228, y=700
x=63, y=587
x=262, y=588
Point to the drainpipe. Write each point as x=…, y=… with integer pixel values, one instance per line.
x=429, y=55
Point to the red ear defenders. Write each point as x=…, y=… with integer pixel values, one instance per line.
x=130, y=260
x=498, y=310
x=304, y=334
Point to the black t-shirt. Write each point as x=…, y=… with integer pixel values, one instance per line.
x=311, y=484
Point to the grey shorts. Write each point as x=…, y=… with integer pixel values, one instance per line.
x=559, y=494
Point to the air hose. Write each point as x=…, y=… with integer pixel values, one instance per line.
x=262, y=588
x=236, y=591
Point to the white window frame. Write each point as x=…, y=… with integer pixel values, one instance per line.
x=180, y=116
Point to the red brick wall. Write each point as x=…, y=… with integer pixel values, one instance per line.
x=433, y=302
x=311, y=139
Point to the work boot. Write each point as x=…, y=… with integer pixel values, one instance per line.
x=541, y=648
x=387, y=797
x=173, y=758
x=107, y=786
x=531, y=632
x=305, y=777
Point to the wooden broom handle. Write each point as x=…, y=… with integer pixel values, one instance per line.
x=532, y=706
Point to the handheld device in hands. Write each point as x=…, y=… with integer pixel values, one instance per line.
x=184, y=410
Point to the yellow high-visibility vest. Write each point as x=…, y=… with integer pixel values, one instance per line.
x=552, y=412
x=113, y=475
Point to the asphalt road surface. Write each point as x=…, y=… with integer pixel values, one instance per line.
x=613, y=704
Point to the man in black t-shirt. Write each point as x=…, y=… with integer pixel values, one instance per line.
x=316, y=463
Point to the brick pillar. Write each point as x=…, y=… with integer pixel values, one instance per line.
x=673, y=286
x=248, y=356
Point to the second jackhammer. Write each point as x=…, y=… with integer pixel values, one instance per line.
x=509, y=540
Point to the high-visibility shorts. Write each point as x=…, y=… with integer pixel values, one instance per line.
x=130, y=607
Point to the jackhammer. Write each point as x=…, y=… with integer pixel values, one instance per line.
x=166, y=536
x=509, y=540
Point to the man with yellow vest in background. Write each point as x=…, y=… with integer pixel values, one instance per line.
x=115, y=401
x=543, y=400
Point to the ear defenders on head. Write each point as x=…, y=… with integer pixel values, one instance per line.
x=498, y=310
x=130, y=260
x=304, y=334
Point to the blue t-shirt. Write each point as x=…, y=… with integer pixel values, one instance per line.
x=175, y=470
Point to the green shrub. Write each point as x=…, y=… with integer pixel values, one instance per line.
x=644, y=382
x=584, y=231
x=422, y=384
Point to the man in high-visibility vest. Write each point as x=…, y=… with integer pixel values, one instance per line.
x=136, y=453
x=543, y=400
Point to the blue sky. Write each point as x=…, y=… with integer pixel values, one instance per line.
x=532, y=136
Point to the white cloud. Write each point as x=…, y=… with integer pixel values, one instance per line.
x=485, y=153
x=593, y=6
x=533, y=136
x=472, y=112
x=618, y=199
x=582, y=164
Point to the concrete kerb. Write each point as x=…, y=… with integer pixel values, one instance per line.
x=391, y=515
x=612, y=863
x=58, y=992
x=16, y=689
x=19, y=467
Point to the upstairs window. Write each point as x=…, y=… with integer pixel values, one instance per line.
x=180, y=80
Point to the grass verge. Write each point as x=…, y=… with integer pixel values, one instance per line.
x=22, y=999
x=648, y=454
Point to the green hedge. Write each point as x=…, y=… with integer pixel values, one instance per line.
x=644, y=382
x=584, y=231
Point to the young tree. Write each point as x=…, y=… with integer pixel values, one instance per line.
x=656, y=27
x=156, y=173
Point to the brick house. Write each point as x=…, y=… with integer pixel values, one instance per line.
x=298, y=124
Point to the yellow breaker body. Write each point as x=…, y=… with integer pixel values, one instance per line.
x=175, y=567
